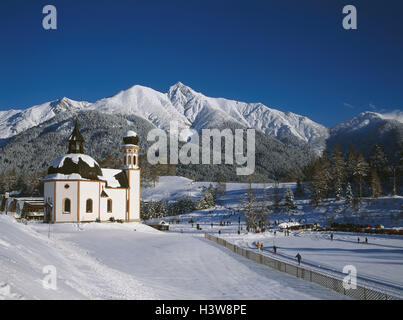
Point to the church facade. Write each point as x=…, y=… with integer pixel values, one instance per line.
x=77, y=189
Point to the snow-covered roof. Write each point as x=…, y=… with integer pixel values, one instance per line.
x=60, y=176
x=288, y=224
x=58, y=163
x=108, y=175
x=131, y=133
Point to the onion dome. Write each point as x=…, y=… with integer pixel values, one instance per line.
x=78, y=165
x=131, y=138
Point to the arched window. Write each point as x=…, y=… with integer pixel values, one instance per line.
x=109, y=206
x=66, y=205
x=134, y=160
x=88, y=206
x=129, y=161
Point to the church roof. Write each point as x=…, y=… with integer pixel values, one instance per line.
x=114, y=178
x=131, y=138
x=75, y=166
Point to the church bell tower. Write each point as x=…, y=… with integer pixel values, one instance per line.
x=76, y=140
x=132, y=170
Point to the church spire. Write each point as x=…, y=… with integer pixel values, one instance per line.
x=76, y=140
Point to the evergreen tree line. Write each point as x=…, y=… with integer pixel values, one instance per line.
x=352, y=176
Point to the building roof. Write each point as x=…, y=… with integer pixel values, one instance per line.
x=131, y=138
x=114, y=178
x=74, y=166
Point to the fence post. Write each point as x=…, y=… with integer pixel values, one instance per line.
x=311, y=275
x=365, y=293
x=326, y=283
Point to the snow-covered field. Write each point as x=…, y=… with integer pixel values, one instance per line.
x=135, y=261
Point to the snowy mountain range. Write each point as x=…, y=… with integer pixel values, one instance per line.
x=367, y=129
x=197, y=111
x=182, y=104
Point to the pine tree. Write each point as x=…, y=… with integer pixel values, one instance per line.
x=299, y=192
x=208, y=199
x=221, y=186
x=338, y=172
x=276, y=196
x=376, y=189
x=351, y=161
x=263, y=211
x=289, y=200
x=326, y=171
x=349, y=194
x=379, y=161
x=248, y=208
x=318, y=186
x=360, y=172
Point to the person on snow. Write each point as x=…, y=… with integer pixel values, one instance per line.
x=358, y=240
x=366, y=240
x=331, y=236
x=275, y=249
x=298, y=256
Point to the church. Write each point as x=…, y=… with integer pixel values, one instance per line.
x=76, y=189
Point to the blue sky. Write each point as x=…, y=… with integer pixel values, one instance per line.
x=292, y=55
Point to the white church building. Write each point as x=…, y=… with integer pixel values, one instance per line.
x=76, y=189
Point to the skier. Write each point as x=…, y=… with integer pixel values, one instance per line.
x=358, y=239
x=366, y=240
x=331, y=236
x=275, y=249
x=211, y=224
x=298, y=256
x=258, y=246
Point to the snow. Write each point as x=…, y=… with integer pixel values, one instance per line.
x=180, y=104
x=288, y=224
x=130, y=133
x=60, y=176
x=172, y=188
x=75, y=157
x=108, y=175
x=24, y=253
x=13, y=122
x=366, y=119
x=393, y=115
x=379, y=263
x=135, y=261
x=179, y=266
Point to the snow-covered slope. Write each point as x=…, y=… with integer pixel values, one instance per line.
x=366, y=120
x=181, y=104
x=143, y=102
x=367, y=129
x=13, y=122
x=27, y=256
x=200, y=110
